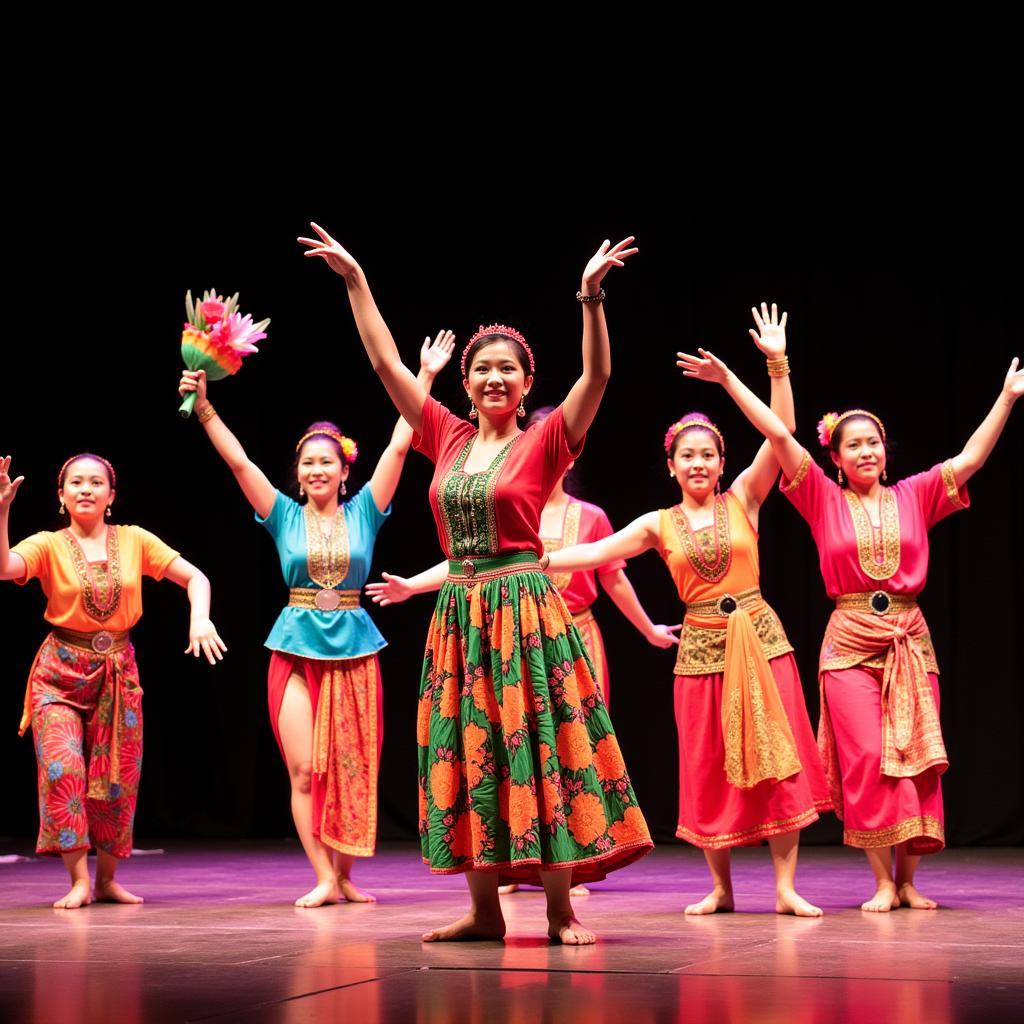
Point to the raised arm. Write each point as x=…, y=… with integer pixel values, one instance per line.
x=980, y=444
x=434, y=356
x=405, y=390
x=620, y=590
x=584, y=398
x=708, y=366
x=632, y=540
x=753, y=485
x=12, y=566
x=395, y=589
x=202, y=635
x=255, y=486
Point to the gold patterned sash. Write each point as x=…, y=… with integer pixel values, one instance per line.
x=306, y=597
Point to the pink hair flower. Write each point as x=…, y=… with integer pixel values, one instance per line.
x=826, y=425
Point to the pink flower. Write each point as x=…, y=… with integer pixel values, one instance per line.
x=212, y=310
x=238, y=333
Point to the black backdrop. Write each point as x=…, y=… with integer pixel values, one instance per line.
x=899, y=277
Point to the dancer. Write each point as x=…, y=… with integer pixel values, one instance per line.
x=879, y=733
x=748, y=767
x=520, y=774
x=323, y=682
x=83, y=699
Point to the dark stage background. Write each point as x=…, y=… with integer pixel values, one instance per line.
x=900, y=277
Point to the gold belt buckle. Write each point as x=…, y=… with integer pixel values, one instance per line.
x=880, y=602
x=102, y=641
x=468, y=567
x=327, y=600
x=727, y=604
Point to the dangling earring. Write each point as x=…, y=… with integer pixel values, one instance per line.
x=62, y=510
x=302, y=491
x=521, y=411
x=885, y=476
x=108, y=512
x=839, y=477
x=472, y=410
x=344, y=489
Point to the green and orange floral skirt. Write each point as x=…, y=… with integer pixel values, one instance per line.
x=519, y=768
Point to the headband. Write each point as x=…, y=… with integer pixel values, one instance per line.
x=349, y=449
x=828, y=423
x=87, y=455
x=505, y=332
x=681, y=425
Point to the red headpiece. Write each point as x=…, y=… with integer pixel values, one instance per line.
x=87, y=455
x=505, y=332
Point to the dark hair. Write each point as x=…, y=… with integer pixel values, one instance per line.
x=570, y=481
x=489, y=339
x=105, y=463
x=321, y=430
x=709, y=430
x=837, y=435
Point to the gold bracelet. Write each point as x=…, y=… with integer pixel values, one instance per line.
x=778, y=367
x=206, y=413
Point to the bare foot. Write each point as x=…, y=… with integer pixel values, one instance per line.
x=474, y=927
x=791, y=902
x=565, y=928
x=884, y=900
x=353, y=894
x=79, y=895
x=504, y=890
x=109, y=891
x=321, y=895
x=909, y=897
x=718, y=901
x=579, y=890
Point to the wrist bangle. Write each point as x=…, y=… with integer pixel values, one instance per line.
x=778, y=367
x=599, y=297
x=206, y=413
x=545, y=561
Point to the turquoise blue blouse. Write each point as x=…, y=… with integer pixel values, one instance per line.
x=348, y=633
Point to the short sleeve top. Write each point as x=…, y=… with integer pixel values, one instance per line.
x=582, y=524
x=341, y=558
x=496, y=511
x=89, y=596
x=857, y=557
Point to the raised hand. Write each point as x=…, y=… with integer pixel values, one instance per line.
x=203, y=638
x=707, y=366
x=664, y=636
x=335, y=255
x=770, y=336
x=393, y=590
x=8, y=487
x=434, y=355
x=193, y=380
x=603, y=260
x=1013, y=386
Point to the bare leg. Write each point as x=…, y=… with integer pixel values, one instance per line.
x=484, y=920
x=720, y=898
x=563, y=924
x=80, y=894
x=107, y=890
x=295, y=725
x=886, y=897
x=347, y=888
x=504, y=890
x=784, y=855
x=906, y=865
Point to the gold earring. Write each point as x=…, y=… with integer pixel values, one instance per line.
x=839, y=477
x=344, y=489
x=109, y=513
x=62, y=510
x=885, y=476
x=521, y=411
x=472, y=410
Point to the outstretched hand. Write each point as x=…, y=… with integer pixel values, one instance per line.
x=203, y=639
x=606, y=257
x=664, y=636
x=8, y=487
x=434, y=355
x=335, y=255
x=770, y=336
x=707, y=366
x=393, y=590
x=1013, y=386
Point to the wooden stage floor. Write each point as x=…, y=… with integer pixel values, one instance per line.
x=218, y=940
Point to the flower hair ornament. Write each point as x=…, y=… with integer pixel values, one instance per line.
x=503, y=331
x=349, y=449
x=88, y=455
x=828, y=423
x=680, y=425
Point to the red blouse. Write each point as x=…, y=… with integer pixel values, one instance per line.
x=581, y=524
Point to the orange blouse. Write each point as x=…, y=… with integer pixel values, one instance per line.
x=89, y=596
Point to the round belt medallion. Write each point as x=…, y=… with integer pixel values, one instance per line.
x=468, y=567
x=102, y=642
x=880, y=602
x=327, y=600
x=727, y=604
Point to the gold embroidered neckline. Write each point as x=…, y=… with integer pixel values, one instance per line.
x=710, y=555
x=878, y=547
x=327, y=554
x=570, y=534
x=100, y=582
x=463, y=456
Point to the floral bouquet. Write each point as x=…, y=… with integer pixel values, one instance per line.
x=215, y=339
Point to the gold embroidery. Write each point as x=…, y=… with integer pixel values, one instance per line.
x=304, y=597
x=327, y=557
x=878, y=560
x=765, y=831
x=709, y=556
x=798, y=477
x=949, y=479
x=570, y=535
x=833, y=659
x=702, y=648
x=101, y=589
x=925, y=827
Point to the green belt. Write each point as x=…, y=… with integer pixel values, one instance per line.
x=480, y=568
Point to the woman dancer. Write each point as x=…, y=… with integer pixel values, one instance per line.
x=748, y=767
x=83, y=699
x=520, y=773
x=879, y=734
x=323, y=682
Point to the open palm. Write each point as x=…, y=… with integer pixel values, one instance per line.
x=770, y=336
